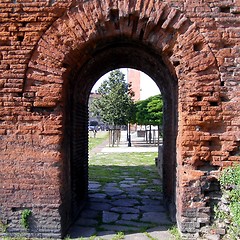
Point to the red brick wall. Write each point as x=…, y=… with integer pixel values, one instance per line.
x=43, y=46
x=134, y=79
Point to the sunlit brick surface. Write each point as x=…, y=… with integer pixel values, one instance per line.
x=52, y=53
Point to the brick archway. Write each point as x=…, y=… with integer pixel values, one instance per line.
x=157, y=39
x=67, y=60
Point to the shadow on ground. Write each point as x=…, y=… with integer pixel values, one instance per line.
x=123, y=200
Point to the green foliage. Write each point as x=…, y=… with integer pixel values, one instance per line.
x=150, y=111
x=230, y=176
x=235, y=211
x=115, y=105
x=119, y=235
x=230, y=185
x=149, y=236
x=3, y=227
x=26, y=213
x=230, y=182
x=175, y=233
x=141, y=112
x=220, y=214
x=92, y=237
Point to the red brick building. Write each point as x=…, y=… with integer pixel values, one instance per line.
x=133, y=77
x=142, y=85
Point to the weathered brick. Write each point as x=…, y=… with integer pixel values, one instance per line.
x=43, y=49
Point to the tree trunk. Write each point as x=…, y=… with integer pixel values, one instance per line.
x=150, y=134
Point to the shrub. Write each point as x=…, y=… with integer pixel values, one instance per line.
x=230, y=213
x=25, y=218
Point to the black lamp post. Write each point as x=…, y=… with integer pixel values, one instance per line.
x=129, y=135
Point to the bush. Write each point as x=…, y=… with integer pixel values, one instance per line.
x=230, y=212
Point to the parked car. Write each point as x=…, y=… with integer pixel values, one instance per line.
x=91, y=128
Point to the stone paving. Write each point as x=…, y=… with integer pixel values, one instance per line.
x=116, y=207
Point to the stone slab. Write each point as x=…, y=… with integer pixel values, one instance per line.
x=136, y=236
x=125, y=210
x=77, y=232
x=152, y=208
x=129, y=216
x=109, y=217
x=160, y=232
x=153, y=217
x=100, y=206
x=132, y=223
x=125, y=202
x=118, y=228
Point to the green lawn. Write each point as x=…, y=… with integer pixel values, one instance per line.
x=115, y=167
x=95, y=141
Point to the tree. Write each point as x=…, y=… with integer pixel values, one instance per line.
x=150, y=112
x=155, y=110
x=115, y=105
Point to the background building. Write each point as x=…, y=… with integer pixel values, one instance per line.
x=143, y=86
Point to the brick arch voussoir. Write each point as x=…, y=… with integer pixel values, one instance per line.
x=166, y=29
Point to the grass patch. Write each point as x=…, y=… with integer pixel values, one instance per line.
x=99, y=139
x=175, y=233
x=119, y=235
x=115, y=167
x=149, y=236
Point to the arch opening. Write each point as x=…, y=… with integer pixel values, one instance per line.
x=106, y=57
